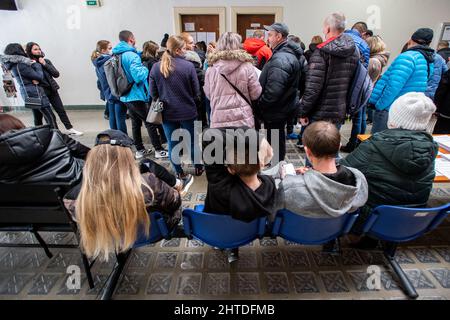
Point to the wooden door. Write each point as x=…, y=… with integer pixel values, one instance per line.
x=199, y=25
x=253, y=22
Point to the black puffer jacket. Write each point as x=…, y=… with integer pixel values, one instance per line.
x=329, y=76
x=40, y=154
x=442, y=100
x=280, y=82
x=50, y=72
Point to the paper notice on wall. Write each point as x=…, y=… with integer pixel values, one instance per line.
x=202, y=36
x=249, y=32
x=211, y=37
x=255, y=25
x=446, y=34
x=189, y=26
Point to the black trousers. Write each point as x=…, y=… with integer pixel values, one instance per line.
x=47, y=114
x=138, y=111
x=58, y=106
x=273, y=127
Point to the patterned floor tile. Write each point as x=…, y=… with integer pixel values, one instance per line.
x=43, y=284
x=130, y=284
x=350, y=257
x=174, y=243
x=194, y=244
x=334, y=282
x=305, y=282
x=192, y=261
x=166, y=260
x=248, y=284
x=419, y=280
x=425, y=255
x=297, y=259
x=247, y=260
x=272, y=259
x=187, y=197
x=402, y=257
x=200, y=197
x=442, y=276
x=324, y=259
x=140, y=260
x=159, y=283
x=444, y=252
x=189, y=284
x=290, y=243
x=217, y=284
x=372, y=257
x=276, y=282
x=217, y=260
x=13, y=284
x=267, y=242
x=99, y=282
x=61, y=238
x=62, y=260
x=389, y=281
x=64, y=289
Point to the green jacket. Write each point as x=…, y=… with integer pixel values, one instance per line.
x=398, y=165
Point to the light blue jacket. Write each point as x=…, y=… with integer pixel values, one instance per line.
x=408, y=73
x=362, y=45
x=439, y=69
x=135, y=71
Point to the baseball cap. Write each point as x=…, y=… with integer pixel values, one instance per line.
x=114, y=138
x=278, y=27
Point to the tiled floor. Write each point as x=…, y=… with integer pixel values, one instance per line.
x=267, y=269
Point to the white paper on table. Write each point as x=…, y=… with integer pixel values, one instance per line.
x=443, y=141
x=211, y=37
x=445, y=156
x=442, y=167
x=189, y=26
x=202, y=36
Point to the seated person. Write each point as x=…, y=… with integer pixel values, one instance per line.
x=113, y=203
x=398, y=163
x=238, y=189
x=38, y=154
x=326, y=190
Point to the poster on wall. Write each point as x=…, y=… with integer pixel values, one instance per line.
x=211, y=37
x=202, y=36
x=446, y=33
x=189, y=26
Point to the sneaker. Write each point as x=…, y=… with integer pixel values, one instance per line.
x=106, y=116
x=161, y=154
x=74, y=132
x=143, y=153
x=292, y=136
x=300, y=146
x=233, y=255
x=187, y=181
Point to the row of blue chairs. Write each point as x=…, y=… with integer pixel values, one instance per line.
x=392, y=225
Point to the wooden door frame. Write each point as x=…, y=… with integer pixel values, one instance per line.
x=235, y=11
x=180, y=11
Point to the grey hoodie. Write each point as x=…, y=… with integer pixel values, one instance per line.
x=315, y=195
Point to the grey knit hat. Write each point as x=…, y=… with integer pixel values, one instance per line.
x=411, y=111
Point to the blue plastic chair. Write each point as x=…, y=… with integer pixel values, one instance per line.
x=396, y=225
x=158, y=231
x=311, y=231
x=221, y=231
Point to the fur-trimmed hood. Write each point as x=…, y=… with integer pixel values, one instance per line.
x=193, y=57
x=229, y=60
x=11, y=60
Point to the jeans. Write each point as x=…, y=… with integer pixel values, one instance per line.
x=273, y=127
x=138, y=114
x=358, y=127
x=117, y=116
x=169, y=128
x=47, y=114
x=380, y=119
x=58, y=106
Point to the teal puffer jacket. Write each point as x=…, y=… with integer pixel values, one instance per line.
x=398, y=165
x=410, y=72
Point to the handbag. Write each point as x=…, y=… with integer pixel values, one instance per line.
x=253, y=105
x=31, y=102
x=154, y=115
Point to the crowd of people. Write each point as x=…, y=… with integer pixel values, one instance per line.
x=235, y=85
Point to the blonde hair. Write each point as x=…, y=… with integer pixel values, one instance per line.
x=174, y=43
x=316, y=40
x=376, y=45
x=229, y=41
x=111, y=208
x=101, y=45
x=150, y=50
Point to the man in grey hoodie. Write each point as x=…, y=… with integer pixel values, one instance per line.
x=326, y=190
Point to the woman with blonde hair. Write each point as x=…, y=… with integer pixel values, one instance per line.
x=174, y=82
x=379, y=57
x=231, y=84
x=315, y=41
x=112, y=205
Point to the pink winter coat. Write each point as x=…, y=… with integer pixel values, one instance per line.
x=228, y=108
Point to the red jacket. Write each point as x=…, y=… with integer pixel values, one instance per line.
x=258, y=49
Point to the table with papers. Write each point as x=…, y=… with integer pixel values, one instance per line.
x=443, y=159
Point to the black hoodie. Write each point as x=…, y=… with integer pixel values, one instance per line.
x=328, y=79
x=427, y=53
x=280, y=81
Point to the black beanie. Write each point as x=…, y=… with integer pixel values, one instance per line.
x=164, y=40
x=423, y=36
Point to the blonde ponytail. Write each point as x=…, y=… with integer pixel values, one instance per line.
x=166, y=64
x=173, y=44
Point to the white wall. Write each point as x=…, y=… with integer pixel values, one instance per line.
x=45, y=22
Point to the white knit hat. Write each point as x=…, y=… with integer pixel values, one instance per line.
x=411, y=111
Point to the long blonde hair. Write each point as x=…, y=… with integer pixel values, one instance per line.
x=101, y=46
x=111, y=208
x=174, y=43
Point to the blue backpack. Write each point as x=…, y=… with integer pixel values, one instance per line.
x=360, y=90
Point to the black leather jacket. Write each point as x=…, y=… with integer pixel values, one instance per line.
x=40, y=154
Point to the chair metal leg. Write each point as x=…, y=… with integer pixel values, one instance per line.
x=122, y=259
x=87, y=268
x=43, y=244
x=406, y=284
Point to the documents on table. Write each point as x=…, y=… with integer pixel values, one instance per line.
x=443, y=141
x=442, y=167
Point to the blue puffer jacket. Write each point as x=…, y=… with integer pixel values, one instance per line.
x=104, y=87
x=440, y=68
x=362, y=45
x=135, y=71
x=410, y=72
